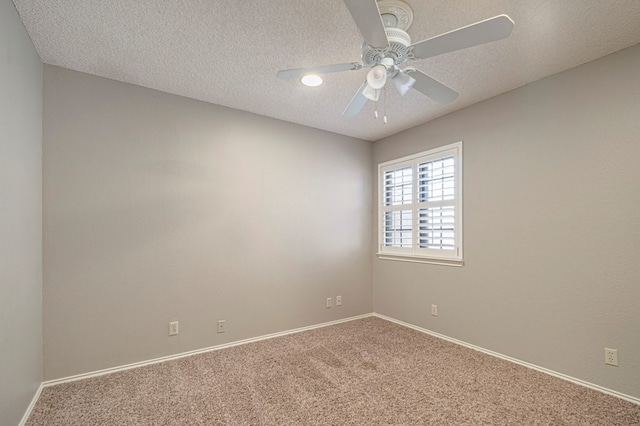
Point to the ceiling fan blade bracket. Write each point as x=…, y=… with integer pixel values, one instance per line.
x=410, y=55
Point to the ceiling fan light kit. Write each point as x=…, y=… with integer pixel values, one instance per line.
x=377, y=77
x=387, y=46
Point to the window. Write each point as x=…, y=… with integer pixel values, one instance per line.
x=420, y=207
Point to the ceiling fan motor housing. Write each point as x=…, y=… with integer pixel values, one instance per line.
x=398, y=50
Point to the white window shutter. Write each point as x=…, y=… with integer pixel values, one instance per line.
x=420, y=211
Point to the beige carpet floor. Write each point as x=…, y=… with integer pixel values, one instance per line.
x=364, y=372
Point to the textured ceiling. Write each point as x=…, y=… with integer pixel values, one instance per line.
x=227, y=52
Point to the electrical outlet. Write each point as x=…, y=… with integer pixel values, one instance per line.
x=338, y=300
x=434, y=310
x=222, y=326
x=328, y=302
x=173, y=328
x=611, y=356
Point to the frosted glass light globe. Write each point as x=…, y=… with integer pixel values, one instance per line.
x=377, y=77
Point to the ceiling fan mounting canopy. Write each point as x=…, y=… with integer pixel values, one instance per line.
x=386, y=46
x=395, y=13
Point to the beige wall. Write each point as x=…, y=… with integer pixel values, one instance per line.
x=160, y=208
x=551, y=225
x=20, y=217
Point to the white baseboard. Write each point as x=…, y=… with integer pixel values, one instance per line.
x=195, y=352
x=311, y=327
x=515, y=360
x=27, y=413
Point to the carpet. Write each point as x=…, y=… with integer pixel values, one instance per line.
x=363, y=372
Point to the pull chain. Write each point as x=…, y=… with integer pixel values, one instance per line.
x=383, y=93
x=385, y=105
x=375, y=110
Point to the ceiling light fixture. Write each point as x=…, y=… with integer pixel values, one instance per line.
x=377, y=77
x=311, y=80
x=387, y=47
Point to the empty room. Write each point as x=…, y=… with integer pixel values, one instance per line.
x=328, y=212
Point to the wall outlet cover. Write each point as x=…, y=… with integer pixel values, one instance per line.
x=611, y=357
x=173, y=328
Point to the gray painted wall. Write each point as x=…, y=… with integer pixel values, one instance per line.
x=20, y=217
x=551, y=225
x=159, y=208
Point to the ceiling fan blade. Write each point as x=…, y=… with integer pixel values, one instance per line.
x=357, y=102
x=403, y=82
x=486, y=31
x=324, y=69
x=369, y=22
x=431, y=87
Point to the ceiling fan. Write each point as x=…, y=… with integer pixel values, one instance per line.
x=387, y=46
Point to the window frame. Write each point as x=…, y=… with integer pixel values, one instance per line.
x=414, y=253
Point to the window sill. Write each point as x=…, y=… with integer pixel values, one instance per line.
x=420, y=259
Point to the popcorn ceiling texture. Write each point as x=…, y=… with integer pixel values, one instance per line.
x=227, y=52
x=362, y=372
